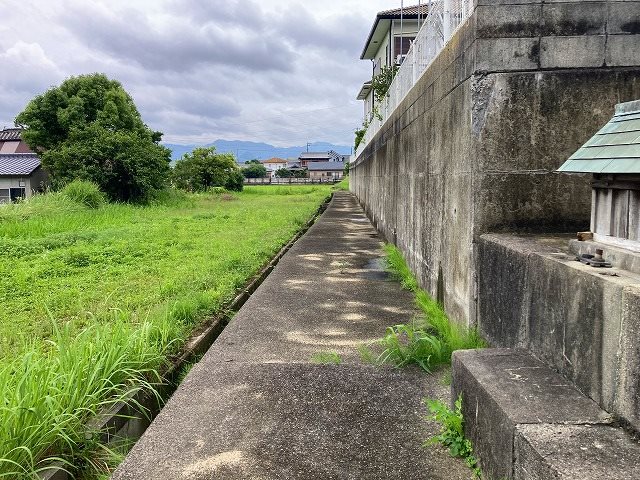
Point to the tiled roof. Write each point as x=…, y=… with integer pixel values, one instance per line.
x=12, y=164
x=406, y=11
x=315, y=155
x=614, y=149
x=326, y=166
x=10, y=134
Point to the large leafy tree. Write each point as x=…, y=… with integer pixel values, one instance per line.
x=89, y=128
x=204, y=168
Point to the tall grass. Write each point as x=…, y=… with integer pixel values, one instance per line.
x=93, y=300
x=49, y=393
x=431, y=338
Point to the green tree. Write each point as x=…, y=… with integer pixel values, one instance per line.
x=204, y=168
x=255, y=170
x=89, y=128
x=347, y=165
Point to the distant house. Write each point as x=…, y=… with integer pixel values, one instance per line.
x=306, y=158
x=11, y=141
x=274, y=164
x=326, y=170
x=21, y=173
x=20, y=176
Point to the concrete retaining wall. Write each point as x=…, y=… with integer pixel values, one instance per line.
x=474, y=146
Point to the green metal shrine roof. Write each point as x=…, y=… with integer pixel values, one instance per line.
x=614, y=149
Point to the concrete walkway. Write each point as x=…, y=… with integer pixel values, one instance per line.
x=258, y=407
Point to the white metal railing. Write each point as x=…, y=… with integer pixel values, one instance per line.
x=443, y=18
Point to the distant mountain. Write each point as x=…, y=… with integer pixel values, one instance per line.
x=262, y=151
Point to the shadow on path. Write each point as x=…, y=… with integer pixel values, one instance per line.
x=258, y=407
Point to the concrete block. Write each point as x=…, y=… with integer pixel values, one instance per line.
x=575, y=452
x=505, y=54
x=623, y=50
x=574, y=19
x=572, y=52
x=502, y=388
x=624, y=18
x=500, y=21
x=628, y=395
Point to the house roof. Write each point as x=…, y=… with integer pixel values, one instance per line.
x=334, y=166
x=614, y=149
x=305, y=155
x=383, y=22
x=10, y=134
x=14, y=164
x=364, y=91
x=275, y=160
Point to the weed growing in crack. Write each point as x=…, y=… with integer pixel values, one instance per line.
x=327, y=358
x=452, y=432
x=431, y=338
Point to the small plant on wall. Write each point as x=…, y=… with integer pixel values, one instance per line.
x=381, y=82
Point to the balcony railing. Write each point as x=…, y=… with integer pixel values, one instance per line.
x=443, y=18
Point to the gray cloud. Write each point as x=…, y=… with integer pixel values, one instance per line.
x=276, y=71
x=181, y=44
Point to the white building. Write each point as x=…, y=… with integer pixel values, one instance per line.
x=389, y=40
x=273, y=165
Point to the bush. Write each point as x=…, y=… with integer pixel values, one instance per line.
x=84, y=192
x=255, y=170
x=235, y=182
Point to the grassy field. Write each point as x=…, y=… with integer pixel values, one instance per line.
x=92, y=300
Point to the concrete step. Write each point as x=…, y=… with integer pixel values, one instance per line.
x=527, y=422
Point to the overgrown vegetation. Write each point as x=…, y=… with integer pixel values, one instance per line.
x=431, y=338
x=94, y=297
x=89, y=128
x=85, y=192
x=452, y=432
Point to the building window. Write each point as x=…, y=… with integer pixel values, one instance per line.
x=402, y=45
x=5, y=196
x=16, y=194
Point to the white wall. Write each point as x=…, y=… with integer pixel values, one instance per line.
x=14, y=182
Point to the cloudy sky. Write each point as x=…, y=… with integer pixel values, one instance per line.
x=278, y=71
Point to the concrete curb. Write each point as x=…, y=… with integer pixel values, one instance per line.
x=126, y=420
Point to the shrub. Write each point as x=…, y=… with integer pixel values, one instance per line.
x=235, y=181
x=84, y=192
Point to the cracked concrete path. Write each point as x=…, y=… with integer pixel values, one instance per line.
x=258, y=407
